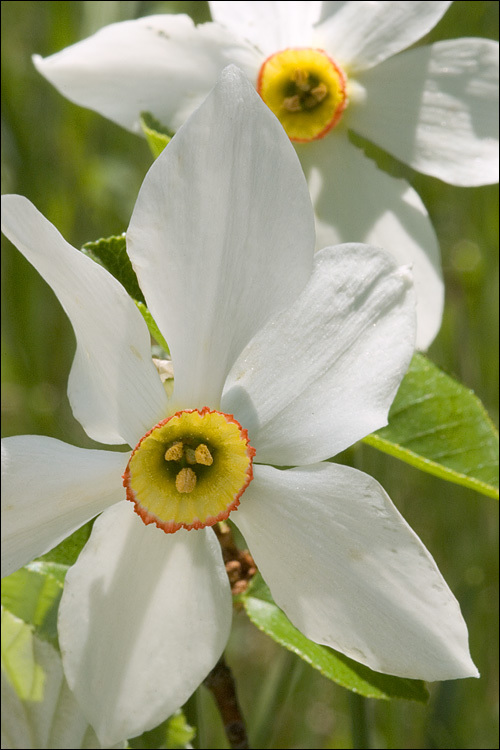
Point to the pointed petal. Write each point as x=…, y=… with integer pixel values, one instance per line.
x=50, y=489
x=114, y=388
x=360, y=35
x=436, y=109
x=351, y=574
x=162, y=64
x=357, y=202
x=270, y=26
x=324, y=373
x=222, y=235
x=143, y=618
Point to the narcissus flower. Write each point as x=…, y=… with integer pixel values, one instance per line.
x=282, y=358
x=325, y=69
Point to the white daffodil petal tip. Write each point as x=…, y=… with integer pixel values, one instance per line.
x=323, y=373
x=351, y=574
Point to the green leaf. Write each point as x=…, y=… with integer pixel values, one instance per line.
x=33, y=594
x=269, y=618
x=172, y=734
x=66, y=553
x=441, y=427
x=157, y=135
x=111, y=252
x=153, y=328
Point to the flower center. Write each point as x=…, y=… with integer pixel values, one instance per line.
x=306, y=91
x=190, y=470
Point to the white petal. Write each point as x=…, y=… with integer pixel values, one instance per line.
x=324, y=373
x=270, y=26
x=357, y=202
x=143, y=618
x=350, y=573
x=38, y=709
x=222, y=235
x=360, y=35
x=436, y=109
x=114, y=388
x=50, y=489
x=162, y=64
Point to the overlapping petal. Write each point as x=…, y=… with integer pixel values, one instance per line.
x=222, y=235
x=114, y=388
x=270, y=26
x=362, y=34
x=49, y=489
x=436, y=109
x=351, y=574
x=162, y=64
x=387, y=213
x=323, y=374
x=38, y=708
x=143, y=618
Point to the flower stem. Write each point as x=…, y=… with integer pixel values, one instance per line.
x=359, y=725
x=223, y=688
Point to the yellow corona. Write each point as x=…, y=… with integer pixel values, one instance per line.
x=305, y=89
x=190, y=470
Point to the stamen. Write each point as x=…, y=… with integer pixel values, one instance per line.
x=301, y=79
x=292, y=103
x=174, y=453
x=185, y=481
x=319, y=92
x=203, y=455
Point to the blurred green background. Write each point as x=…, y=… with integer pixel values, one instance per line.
x=84, y=174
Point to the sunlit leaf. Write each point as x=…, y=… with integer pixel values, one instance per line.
x=157, y=135
x=172, y=734
x=441, y=427
x=269, y=618
x=111, y=252
x=67, y=551
x=32, y=594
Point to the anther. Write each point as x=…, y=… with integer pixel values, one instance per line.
x=203, y=455
x=301, y=79
x=174, y=453
x=292, y=103
x=185, y=481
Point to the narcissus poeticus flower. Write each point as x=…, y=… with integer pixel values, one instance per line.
x=325, y=70
x=282, y=358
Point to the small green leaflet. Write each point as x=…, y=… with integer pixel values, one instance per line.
x=172, y=734
x=157, y=135
x=269, y=618
x=441, y=427
x=111, y=252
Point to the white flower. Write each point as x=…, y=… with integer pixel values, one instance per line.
x=306, y=355
x=434, y=108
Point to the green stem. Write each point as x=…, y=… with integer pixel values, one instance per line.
x=359, y=723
